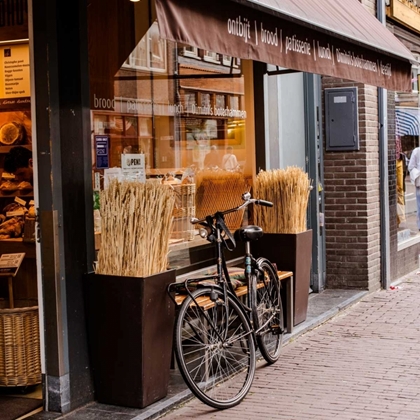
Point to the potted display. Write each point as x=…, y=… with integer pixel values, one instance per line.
x=286, y=241
x=130, y=316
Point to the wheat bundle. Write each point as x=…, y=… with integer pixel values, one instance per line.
x=218, y=191
x=289, y=190
x=136, y=226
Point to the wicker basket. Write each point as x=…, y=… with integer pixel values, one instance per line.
x=221, y=191
x=20, y=356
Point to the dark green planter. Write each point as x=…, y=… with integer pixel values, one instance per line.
x=291, y=252
x=130, y=327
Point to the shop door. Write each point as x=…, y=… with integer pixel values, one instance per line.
x=294, y=138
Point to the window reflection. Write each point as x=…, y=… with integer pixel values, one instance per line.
x=189, y=121
x=407, y=156
x=150, y=52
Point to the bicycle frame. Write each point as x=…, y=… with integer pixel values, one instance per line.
x=224, y=283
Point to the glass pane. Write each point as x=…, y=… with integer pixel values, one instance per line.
x=220, y=101
x=192, y=127
x=285, y=129
x=407, y=160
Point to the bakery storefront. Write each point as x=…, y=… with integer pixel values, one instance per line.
x=180, y=88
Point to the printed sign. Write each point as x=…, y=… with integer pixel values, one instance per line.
x=133, y=167
x=102, y=152
x=14, y=70
x=110, y=174
x=248, y=33
x=406, y=12
x=10, y=263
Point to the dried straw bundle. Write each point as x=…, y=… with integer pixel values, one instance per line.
x=289, y=190
x=218, y=191
x=136, y=226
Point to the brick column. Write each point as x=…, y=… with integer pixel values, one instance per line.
x=352, y=201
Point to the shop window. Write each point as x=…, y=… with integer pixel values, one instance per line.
x=407, y=140
x=220, y=101
x=190, y=101
x=234, y=102
x=211, y=56
x=227, y=60
x=182, y=125
x=205, y=99
x=190, y=52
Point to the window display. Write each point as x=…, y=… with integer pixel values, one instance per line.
x=184, y=115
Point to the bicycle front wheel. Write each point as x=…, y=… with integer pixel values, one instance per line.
x=215, y=348
x=268, y=312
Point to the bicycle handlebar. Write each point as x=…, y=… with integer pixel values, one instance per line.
x=248, y=201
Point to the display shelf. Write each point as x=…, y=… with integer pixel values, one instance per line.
x=16, y=245
x=6, y=149
x=16, y=194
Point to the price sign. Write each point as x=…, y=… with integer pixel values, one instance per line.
x=10, y=263
x=133, y=167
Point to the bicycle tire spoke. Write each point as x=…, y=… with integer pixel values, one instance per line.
x=268, y=315
x=216, y=352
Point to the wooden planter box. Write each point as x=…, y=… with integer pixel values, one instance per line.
x=130, y=327
x=291, y=252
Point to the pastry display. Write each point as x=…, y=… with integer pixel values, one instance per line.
x=12, y=133
x=24, y=186
x=31, y=212
x=8, y=187
x=12, y=227
x=12, y=207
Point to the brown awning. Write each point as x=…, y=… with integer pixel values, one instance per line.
x=329, y=37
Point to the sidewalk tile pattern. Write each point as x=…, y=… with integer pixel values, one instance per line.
x=363, y=364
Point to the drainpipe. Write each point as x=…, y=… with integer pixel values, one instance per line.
x=383, y=170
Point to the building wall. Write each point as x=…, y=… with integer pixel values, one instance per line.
x=352, y=201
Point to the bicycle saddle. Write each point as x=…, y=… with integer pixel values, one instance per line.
x=249, y=233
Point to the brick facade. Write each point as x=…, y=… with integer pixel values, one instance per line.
x=352, y=209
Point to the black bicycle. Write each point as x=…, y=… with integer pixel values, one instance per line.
x=218, y=326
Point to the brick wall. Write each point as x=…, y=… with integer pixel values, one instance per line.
x=352, y=210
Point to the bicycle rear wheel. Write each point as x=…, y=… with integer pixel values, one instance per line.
x=215, y=348
x=268, y=312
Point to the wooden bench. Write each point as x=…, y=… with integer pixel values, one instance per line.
x=287, y=276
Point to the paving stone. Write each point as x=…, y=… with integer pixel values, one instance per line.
x=361, y=365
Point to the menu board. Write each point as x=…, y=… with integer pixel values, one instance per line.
x=14, y=71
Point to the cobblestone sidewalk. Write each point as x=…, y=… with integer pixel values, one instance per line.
x=363, y=364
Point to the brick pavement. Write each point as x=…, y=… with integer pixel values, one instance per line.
x=361, y=365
